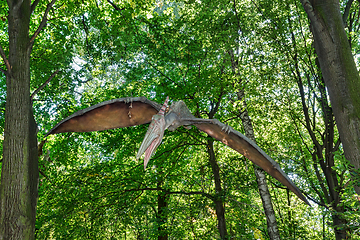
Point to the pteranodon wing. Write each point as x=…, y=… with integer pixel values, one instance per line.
x=125, y=112
x=246, y=147
x=116, y=113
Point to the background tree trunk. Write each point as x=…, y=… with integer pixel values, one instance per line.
x=339, y=72
x=323, y=153
x=218, y=196
x=162, y=213
x=19, y=176
x=272, y=227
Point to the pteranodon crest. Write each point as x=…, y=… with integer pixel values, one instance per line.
x=125, y=112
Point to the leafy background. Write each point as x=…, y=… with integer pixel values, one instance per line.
x=92, y=187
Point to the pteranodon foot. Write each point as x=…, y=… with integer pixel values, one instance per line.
x=129, y=100
x=226, y=128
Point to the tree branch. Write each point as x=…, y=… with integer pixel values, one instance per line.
x=312, y=185
x=43, y=85
x=305, y=109
x=347, y=11
x=120, y=192
x=251, y=205
x=164, y=75
x=43, y=20
x=6, y=61
x=116, y=7
x=33, y=5
x=320, y=179
x=315, y=201
x=3, y=70
x=337, y=145
x=193, y=193
x=44, y=175
x=157, y=189
x=40, y=147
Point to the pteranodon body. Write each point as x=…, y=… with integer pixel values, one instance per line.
x=126, y=112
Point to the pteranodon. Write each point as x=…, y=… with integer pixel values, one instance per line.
x=125, y=112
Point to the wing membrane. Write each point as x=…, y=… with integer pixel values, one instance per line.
x=117, y=113
x=248, y=148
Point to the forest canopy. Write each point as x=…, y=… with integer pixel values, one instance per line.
x=225, y=60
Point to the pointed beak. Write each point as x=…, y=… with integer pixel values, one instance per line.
x=151, y=141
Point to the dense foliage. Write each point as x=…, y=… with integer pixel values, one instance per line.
x=92, y=187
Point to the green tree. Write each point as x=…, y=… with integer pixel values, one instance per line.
x=91, y=185
x=340, y=73
x=19, y=176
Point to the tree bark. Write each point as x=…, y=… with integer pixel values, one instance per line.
x=340, y=74
x=218, y=198
x=19, y=176
x=162, y=213
x=323, y=155
x=272, y=228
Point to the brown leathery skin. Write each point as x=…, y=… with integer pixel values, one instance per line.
x=125, y=112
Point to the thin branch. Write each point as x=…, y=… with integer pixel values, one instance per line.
x=43, y=85
x=277, y=185
x=195, y=137
x=120, y=192
x=321, y=180
x=193, y=193
x=174, y=162
x=163, y=74
x=315, y=201
x=44, y=175
x=116, y=7
x=214, y=110
x=299, y=132
x=251, y=205
x=306, y=111
x=43, y=21
x=33, y=5
x=6, y=61
x=347, y=11
x=202, y=61
x=86, y=29
x=311, y=182
x=337, y=145
x=3, y=70
x=124, y=205
x=40, y=147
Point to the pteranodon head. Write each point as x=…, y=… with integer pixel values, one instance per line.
x=153, y=135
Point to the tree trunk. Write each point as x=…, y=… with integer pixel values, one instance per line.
x=340, y=73
x=260, y=175
x=218, y=198
x=162, y=214
x=19, y=176
x=323, y=155
x=340, y=224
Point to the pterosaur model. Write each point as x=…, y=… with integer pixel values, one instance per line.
x=126, y=112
